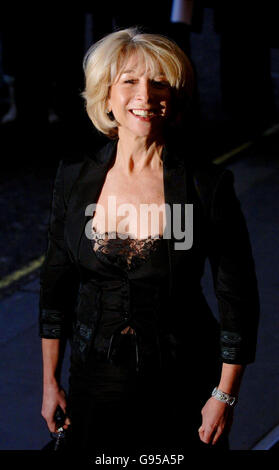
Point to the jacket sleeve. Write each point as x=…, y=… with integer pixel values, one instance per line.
x=59, y=280
x=234, y=276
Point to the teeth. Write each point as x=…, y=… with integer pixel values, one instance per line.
x=142, y=112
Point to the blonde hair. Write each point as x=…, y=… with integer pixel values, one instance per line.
x=104, y=61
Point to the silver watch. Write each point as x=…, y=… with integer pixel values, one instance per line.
x=222, y=396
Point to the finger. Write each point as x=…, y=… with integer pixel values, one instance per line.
x=63, y=406
x=51, y=425
x=67, y=423
x=206, y=436
x=218, y=434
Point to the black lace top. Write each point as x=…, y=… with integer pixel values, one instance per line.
x=132, y=275
x=123, y=251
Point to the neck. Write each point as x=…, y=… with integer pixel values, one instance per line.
x=136, y=154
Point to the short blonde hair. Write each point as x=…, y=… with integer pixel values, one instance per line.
x=105, y=60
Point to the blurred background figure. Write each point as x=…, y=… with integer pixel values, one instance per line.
x=181, y=21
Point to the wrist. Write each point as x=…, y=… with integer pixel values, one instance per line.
x=224, y=397
x=227, y=389
x=50, y=382
x=230, y=379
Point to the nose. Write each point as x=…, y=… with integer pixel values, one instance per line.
x=144, y=91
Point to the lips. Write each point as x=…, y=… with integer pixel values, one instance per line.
x=142, y=112
x=147, y=114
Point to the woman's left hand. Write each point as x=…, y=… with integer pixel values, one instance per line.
x=217, y=419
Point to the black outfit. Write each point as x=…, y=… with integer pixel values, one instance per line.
x=120, y=379
x=147, y=390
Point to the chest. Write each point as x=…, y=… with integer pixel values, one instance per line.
x=133, y=205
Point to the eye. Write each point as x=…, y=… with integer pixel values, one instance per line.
x=130, y=80
x=160, y=83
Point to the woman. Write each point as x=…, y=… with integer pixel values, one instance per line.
x=146, y=349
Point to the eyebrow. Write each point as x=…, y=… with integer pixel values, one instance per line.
x=133, y=70
x=128, y=71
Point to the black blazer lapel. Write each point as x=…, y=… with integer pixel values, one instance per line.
x=176, y=192
x=85, y=192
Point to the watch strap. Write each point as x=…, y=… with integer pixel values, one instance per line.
x=224, y=397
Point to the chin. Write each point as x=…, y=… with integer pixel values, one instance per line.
x=141, y=132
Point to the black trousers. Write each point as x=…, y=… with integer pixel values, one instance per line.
x=116, y=411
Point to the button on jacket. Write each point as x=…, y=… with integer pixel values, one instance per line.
x=70, y=297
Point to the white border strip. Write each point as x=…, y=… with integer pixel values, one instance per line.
x=267, y=442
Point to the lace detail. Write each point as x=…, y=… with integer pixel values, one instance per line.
x=127, y=253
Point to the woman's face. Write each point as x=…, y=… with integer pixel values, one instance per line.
x=139, y=101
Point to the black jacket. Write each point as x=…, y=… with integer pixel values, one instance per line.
x=219, y=233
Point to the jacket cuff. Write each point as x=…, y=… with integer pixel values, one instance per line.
x=51, y=324
x=234, y=350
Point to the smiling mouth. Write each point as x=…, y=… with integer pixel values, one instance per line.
x=144, y=113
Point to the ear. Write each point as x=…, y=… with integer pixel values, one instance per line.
x=108, y=106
